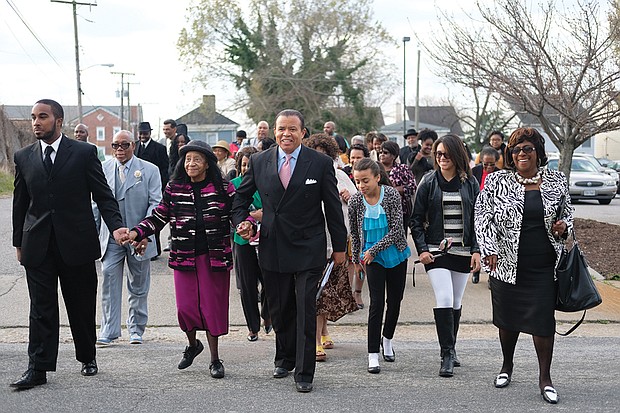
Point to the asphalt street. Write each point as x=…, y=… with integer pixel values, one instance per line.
x=144, y=378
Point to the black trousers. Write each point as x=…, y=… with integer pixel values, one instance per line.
x=249, y=275
x=79, y=290
x=292, y=305
x=380, y=280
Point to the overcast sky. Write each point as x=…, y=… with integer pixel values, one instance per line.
x=139, y=36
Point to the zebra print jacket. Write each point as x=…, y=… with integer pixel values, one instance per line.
x=499, y=213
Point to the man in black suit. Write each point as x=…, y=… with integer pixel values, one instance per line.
x=294, y=182
x=55, y=237
x=155, y=153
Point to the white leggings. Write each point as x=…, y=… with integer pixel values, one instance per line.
x=449, y=287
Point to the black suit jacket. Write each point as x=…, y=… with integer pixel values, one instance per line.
x=60, y=202
x=292, y=235
x=155, y=153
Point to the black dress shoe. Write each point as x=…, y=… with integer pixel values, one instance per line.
x=280, y=372
x=29, y=379
x=216, y=368
x=374, y=370
x=90, y=368
x=190, y=354
x=303, y=386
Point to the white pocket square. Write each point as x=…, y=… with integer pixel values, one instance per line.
x=310, y=181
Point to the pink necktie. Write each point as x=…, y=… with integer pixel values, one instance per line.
x=285, y=172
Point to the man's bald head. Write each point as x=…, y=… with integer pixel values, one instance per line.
x=81, y=132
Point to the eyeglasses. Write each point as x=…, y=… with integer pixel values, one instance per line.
x=488, y=164
x=526, y=149
x=124, y=145
x=385, y=152
x=438, y=155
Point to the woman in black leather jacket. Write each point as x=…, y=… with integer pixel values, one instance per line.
x=444, y=208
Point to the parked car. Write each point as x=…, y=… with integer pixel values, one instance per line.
x=609, y=171
x=586, y=182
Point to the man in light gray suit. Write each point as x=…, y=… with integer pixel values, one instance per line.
x=136, y=185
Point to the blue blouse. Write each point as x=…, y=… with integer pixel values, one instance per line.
x=375, y=228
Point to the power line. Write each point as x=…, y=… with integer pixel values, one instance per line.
x=23, y=20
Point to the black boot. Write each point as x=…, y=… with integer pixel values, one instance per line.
x=444, y=321
x=457, y=320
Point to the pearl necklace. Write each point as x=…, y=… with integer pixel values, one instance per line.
x=528, y=181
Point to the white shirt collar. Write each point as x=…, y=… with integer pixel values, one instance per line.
x=54, y=145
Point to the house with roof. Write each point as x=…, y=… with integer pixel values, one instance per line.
x=207, y=125
x=441, y=119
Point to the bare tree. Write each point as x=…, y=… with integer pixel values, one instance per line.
x=553, y=61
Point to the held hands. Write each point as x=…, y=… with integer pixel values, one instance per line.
x=475, y=262
x=245, y=230
x=558, y=229
x=121, y=235
x=345, y=195
x=140, y=247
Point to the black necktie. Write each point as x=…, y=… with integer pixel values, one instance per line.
x=47, y=162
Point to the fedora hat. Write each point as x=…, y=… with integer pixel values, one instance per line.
x=222, y=144
x=198, y=146
x=410, y=132
x=144, y=127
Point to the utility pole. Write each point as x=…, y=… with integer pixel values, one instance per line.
x=77, y=50
x=129, y=106
x=122, y=114
x=405, y=40
x=417, y=95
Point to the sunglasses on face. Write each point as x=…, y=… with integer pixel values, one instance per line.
x=438, y=155
x=385, y=152
x=124, y=145
x=526, y=149
x=488, y=164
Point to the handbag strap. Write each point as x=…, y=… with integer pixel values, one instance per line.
x=573, y=328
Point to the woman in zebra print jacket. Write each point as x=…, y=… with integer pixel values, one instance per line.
x=522, y=217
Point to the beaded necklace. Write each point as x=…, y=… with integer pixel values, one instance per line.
x=528, y=181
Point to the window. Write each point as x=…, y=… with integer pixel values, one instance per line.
x=101, y=133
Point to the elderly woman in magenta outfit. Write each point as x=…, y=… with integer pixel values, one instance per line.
x=197, y=204
x=520, y=229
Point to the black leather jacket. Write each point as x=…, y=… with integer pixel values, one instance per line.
x=427, y=219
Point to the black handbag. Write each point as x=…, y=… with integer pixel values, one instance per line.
x=576, y=289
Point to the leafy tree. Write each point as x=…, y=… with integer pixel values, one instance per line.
x=553, y=61
x=322, y=57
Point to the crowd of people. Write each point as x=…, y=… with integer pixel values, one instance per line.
x=304, y=220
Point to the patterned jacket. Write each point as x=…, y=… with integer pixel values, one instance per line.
x=178, y=208
x=499, y=214
x=394, y=212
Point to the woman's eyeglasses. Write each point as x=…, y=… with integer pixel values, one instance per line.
x=438, y=155
x=385, y=152
x=124, y=145
x=526, y=149
x=488, y=165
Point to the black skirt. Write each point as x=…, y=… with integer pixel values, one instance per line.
x=529, y=305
